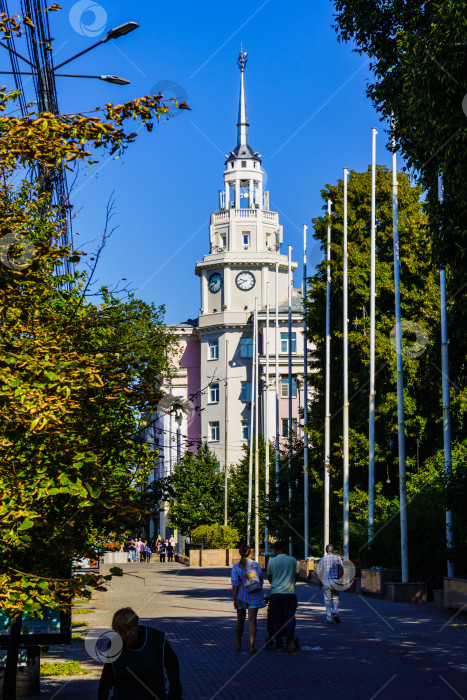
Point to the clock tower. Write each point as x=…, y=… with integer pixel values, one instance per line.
x=245, y=238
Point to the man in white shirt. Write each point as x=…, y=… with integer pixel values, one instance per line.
x=331, y=570
x=282, y=574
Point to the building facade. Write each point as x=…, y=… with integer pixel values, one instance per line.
x=244, y=268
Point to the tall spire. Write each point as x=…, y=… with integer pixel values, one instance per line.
x=242, y=125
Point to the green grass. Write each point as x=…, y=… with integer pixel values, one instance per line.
x=78, y=623
x=63, y=668
x=77, y=637
x=84, y=611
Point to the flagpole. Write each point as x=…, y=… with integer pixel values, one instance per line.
x=250, y=456
x=327, y=410
x=346, y=380
x=400, y=376
x=371, y=419
x=276, y=344
x=266, y=428
x=306, y=533
x=446, y=397
x=289, y=304
x=256, y=437
x=226, y=416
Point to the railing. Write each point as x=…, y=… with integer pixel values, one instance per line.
x=245, y=214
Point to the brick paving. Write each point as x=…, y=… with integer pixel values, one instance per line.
x=379, y=650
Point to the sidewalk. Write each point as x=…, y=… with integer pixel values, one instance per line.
x=380, y=649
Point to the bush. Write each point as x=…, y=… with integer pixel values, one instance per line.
x=216, y=536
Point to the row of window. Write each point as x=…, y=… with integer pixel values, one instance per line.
x=246, y=346
x=214, y=429
x=245, y=391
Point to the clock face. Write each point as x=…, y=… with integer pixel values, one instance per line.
x=245, y=281
x=215, y=282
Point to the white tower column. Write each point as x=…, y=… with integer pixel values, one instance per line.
x=251, y=195
x=227, y=289
x=204, y=291
x=237, y=194
x=227, y=195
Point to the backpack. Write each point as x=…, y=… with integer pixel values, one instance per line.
x=251, y=581
x=148, y=551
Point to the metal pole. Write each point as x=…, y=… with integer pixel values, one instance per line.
x=250, y=458
x=327, y=410
x=266, y=427
x=256, y=439
x=276, y=344
x=289, y=304
x=345, y=331
x=400, y=376
x=306, y=533
x=371, y=418
x=446, y=398
x=226, y=414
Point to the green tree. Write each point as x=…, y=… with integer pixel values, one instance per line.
x=70, y=469
x=196, y=491
x=417, y=52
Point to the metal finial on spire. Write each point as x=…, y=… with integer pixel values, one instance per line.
x=242, y=124
x=242, y=59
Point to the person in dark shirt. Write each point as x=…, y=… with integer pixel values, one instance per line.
x=137, y=671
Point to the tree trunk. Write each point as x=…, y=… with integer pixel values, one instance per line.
x=9, y=681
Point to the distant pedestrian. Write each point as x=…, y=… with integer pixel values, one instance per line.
x=170, y=551
x=140, y=548
x=247, y=590
x=162, y=551
x=137, y=671
x=282, y=575
x=147, y=551
x=331, y=570
x=132, y=551
x=172, y=541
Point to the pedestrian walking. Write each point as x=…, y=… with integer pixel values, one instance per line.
x=162, y=551
x=331, y=570
x=140, y=548
x=138, y=670
x=132, y=551
x=247, y=590
x=282, y=575
x=147, y=551
x=172, y=541
x=170, y=551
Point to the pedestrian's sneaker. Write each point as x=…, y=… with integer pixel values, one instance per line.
x=290, y=645
x=329, y=621
x=336, y=617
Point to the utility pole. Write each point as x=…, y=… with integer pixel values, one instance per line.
x=250, y=456
x=306, y=533
x=256, y=438
x=400, y=376
x=371, y=418
x=266, y=427
x=289, y=304
x=345, y=334
x=226, y=414
x=446, y=397
x=327, y=409
x=276, y=367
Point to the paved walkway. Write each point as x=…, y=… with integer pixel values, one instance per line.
x=379, y=650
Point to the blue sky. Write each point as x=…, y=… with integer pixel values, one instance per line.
x=308, y=112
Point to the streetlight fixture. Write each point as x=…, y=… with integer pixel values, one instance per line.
x=114, y=33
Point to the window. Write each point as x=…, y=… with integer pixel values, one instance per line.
x=285, y=387
x=214, y=431
x=213, y=393
x=243, y=163
x=246, y=238
x=285, y=343
x=213, y=349
x=224, y=241
x=246, y=392
x=246, y=347
x=245, y=429
x=285, y=427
